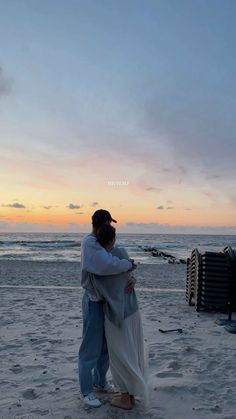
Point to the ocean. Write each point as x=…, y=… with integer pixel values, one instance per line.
x=66, y=247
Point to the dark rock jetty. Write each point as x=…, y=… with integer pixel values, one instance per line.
x=158, y=253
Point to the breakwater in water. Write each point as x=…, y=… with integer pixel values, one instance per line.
x=166, y=256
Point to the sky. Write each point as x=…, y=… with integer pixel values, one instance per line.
x=126, y=105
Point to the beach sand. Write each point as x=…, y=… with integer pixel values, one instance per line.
x=191, y=375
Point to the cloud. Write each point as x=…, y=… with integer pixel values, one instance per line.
x=157, y=228
x=79, y=213
x=232, y=200
x=4, y=224
x=73, y=206
x=48, y=207
x=14, y=205
x=74, y=227
x=25, y=227
x=94, y=204
x=161, y=207
x=181, y=170
x=211, y=176
x=5, y=83
x=198, y=128
x=129, y=227
x=142, y=183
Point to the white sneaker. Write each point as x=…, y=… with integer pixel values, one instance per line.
x=108, y=388
x=91, y=400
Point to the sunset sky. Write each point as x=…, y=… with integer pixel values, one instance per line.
x=127, y=105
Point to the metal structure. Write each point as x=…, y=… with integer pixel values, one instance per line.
x=211, y=280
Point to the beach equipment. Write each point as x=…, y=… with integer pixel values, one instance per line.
x=231, y=328
x=193, y=276
x=211, y=280
x=230, y=325
x=171, y=330
x=231, y=253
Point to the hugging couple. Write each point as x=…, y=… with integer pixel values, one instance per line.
x=112, y=328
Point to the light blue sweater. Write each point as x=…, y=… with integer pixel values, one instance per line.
x=118, y=305
x=96, y=260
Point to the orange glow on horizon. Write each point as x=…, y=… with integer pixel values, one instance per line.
x=172, y=217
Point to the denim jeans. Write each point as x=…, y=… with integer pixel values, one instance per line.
x=93, y=356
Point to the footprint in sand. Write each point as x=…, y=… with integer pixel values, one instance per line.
x=64, y=381
x=71, y=358
x=212, y=365
x=152, y=355
x=16, y=369
x=216, y=409
x=190, y=350
x=174, y=365
x=169, y=374
x=152, y=319
x=39, y=412
x=29, y=394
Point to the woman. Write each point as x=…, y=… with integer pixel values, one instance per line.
x=123, y=328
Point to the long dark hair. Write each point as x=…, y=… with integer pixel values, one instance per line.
x=105, y=234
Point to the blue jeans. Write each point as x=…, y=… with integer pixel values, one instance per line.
x=93, y=354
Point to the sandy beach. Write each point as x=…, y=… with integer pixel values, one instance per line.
x=191, y=374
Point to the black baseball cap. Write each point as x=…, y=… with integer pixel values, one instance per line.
x=101, y=216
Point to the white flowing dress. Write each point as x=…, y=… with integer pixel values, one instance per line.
x=126, y=353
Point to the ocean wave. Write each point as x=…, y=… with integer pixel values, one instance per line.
x=169, y=245
x=14, y=256
x=41, y=244
x=67, y=247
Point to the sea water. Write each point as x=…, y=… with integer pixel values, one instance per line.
x=66, y=246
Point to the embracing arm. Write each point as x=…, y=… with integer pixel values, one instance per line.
x=106, y=264
x=100, y=262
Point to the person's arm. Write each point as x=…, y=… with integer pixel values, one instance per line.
x=100, y=262
x=130, y=284
x=103, y=263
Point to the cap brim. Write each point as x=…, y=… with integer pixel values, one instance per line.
x=114, y=221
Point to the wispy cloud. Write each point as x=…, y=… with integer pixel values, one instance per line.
x=3, y=224
x=211, y=176
x=46, y=227
x=73, y=227
x=151, y=188
x=5, y=83
x=170, y=124
x=162, y=207
x=129, y=227
x=73, y=206
x=14, y=205
x=94, y=204
x=233, y=200
x=198, y=129
x=177, y=229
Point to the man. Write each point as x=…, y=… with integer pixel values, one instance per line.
x=93, y=353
